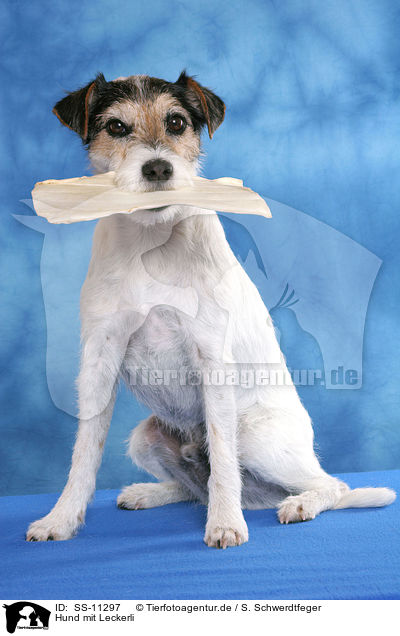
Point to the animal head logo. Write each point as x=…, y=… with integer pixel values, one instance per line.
x=26, y=615
x=315, y=280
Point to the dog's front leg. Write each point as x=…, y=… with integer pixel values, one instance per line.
x=68, y=514
x=102, y=356
x=225, y=522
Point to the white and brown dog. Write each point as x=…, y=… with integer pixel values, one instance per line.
x=165, y=293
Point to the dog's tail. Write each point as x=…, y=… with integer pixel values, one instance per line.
x=366, y=498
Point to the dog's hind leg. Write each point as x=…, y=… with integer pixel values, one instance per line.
x=277, y=446
x=166, y=454
x=150, y=495
x=184, y=469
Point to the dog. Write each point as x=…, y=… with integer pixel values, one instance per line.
x=164, y=293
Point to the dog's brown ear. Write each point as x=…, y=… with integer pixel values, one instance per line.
x=74, y=110
x=210, y=105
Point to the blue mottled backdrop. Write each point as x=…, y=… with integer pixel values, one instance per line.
x=313, y=122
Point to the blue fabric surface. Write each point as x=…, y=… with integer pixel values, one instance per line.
x=159, y=553
x=312, y=122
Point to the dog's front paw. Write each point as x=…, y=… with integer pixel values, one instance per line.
x=51, y=528
x=226, y=536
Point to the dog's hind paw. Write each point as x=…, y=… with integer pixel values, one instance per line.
x=135, y=497
x=149, y=495
x=297, y=508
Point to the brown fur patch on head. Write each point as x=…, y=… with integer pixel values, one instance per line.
x=147, y=117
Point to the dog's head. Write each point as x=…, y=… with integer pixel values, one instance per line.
x=145, y=129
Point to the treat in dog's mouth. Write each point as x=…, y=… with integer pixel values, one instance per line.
x=89, y=198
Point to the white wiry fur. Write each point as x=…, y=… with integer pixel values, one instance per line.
x=165, y=292
x=366, y=498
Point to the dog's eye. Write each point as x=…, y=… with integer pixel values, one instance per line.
x=116, y=128
x=176, y=124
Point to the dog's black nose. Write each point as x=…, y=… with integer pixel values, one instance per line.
x=157, y=170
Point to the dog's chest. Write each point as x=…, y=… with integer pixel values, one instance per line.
x=158, y=365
